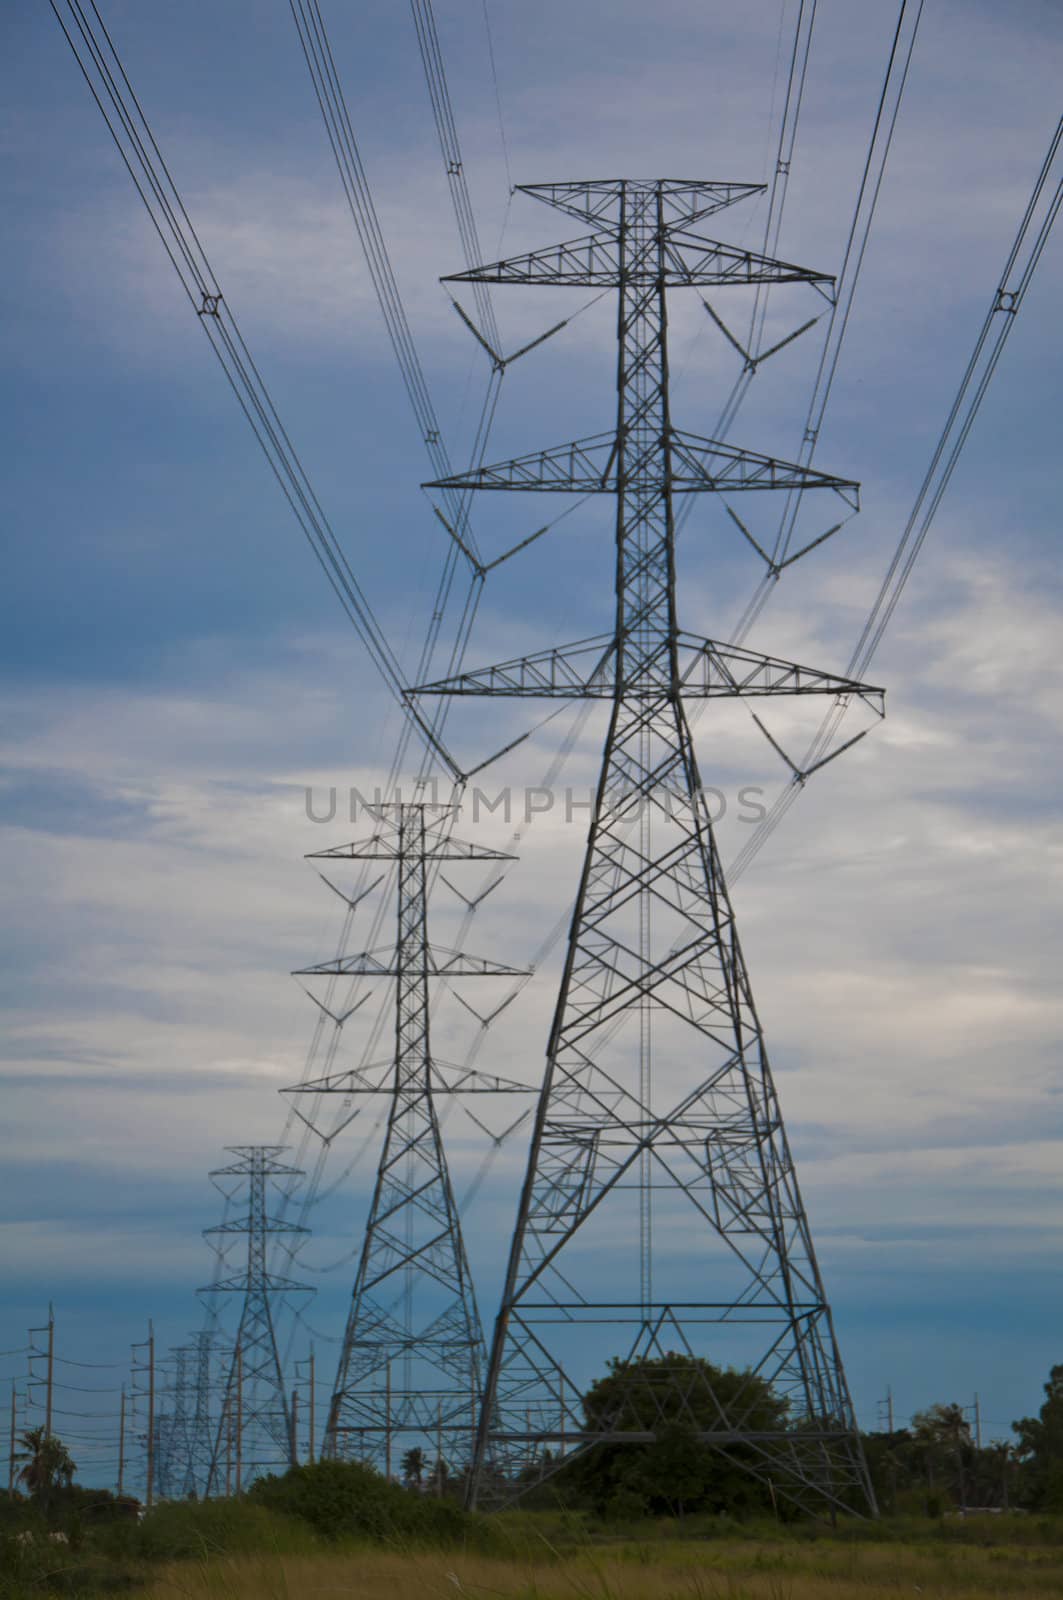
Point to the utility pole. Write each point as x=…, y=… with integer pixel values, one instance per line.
x=150, y=1496
x=295, y=1424
x=885, y=1410
x=304, y=1370
x=121, y=1444
x=313, y=1409
x=14, y=1436
x=977, y=1423
x=255, y=1389
x=439, y=1452
x=684, y=1110
x=239, y=1418
x=51, y=1372
x=413, y=1308
x=387, y=1419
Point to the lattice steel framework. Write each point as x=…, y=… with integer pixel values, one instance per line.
x=173, y=1427
x=660, y=1216
x=254, y=1433
x=200, y=1427
x=412, y=1364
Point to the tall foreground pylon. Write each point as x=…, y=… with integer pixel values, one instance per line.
x=412, y=1363
x=660, y=1216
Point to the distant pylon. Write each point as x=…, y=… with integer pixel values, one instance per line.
x=199, y=1430
x=660, y=1218
x=412, y=1362
x=173, y=1440
x=255, y=1412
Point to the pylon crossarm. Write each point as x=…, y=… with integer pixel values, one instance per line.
x=381, y=847
x=711, y=670
x=439, y=964
x=378, y=1077
x=593, y=262
x=703, y=669
x=698, y=466
x=576, y=671
x=271, y=1283
x=598, y=199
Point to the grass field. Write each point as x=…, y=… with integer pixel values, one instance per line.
x=400, y=1547
x=986, y=1561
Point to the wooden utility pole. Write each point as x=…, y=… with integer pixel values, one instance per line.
x=295, y=1428
x=51, y=1372
x=121, y=1443
x=313, y=1392
x=239, y=1416
x=387, y=1422
x=977, y=1423
x=439, y=1451
x=14, y=1435
x=149, y=1497
x=228, y=1445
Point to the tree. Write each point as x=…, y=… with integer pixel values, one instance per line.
x=1040, y=1448
x=943, y=1435
x=46, y=1464
x=413, y=1464
x=677, y=1398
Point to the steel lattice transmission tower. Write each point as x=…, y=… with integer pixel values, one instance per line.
x=660, y=1216
x=193, y=1466
x=255, y=1427
x=412, y=1364
x=173, y=1439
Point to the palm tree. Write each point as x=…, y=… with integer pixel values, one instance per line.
x=946, y=1429
x=413, y=1466
x=46, y=1464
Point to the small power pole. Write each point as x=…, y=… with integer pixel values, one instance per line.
x=51, y=1372
x=313, y=1397
x=150, y=1494
x=439, y=1452
x=295, y=1427
x=977, y=1423
x=387, y=1422
x=885, y=1411
x=11, y=1458
x=304, y=1371
x=121, y=1442
x=239, y=1415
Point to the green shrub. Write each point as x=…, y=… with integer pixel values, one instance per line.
x=344, y=1499
x=180, y=1529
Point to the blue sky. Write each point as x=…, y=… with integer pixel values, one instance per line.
x=176, y=671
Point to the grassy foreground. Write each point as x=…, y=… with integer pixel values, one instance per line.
x=977, y=1561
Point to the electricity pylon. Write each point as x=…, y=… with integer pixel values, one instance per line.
x=255, y=1431
x=173, y=1444
x=200, y=1445
x=660, y=1218
x=412, y=1364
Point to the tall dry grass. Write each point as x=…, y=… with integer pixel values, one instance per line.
x=739, y=1570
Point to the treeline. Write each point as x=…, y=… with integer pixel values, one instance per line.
x=928, y=1469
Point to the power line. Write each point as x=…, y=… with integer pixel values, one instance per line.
x=498, y=95
x=109, y=85
x=447, y=131
x=1025, y=253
